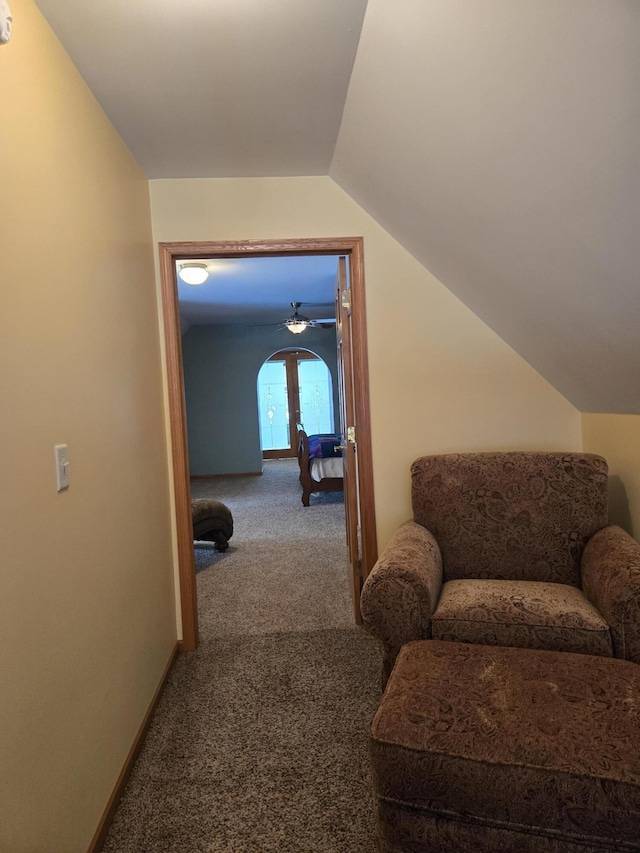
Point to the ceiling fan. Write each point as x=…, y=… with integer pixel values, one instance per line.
x=297, y=322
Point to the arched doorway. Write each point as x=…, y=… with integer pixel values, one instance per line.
x=294, y=386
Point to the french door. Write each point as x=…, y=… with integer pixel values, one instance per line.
x=294, y=386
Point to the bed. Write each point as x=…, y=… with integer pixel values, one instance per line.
x=320, y=461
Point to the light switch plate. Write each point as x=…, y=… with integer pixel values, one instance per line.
x=62, y=466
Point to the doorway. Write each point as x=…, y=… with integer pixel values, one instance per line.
x=294, y=386
x=362, y=481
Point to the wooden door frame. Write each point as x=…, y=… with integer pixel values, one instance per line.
x=353, y=248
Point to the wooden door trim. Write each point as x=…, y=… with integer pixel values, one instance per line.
x=179, y=455
x=293, y=394
x=169, y=253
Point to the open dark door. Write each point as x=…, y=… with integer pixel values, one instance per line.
x=348, y=430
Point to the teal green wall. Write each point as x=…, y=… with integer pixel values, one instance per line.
x=221, y=365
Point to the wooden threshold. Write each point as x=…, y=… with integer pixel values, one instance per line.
x=107, y=817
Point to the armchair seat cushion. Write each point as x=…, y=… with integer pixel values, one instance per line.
x=524, y=614
x=515, y=551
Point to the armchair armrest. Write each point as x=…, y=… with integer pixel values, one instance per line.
x=610, y=572
x=402, y=591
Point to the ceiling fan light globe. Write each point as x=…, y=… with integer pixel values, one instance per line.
x=193, y=273
x=297, y=328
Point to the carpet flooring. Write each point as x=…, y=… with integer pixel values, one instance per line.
x=259, y=742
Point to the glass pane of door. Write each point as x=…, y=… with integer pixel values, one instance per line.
x=273, y=406
x=316, y=396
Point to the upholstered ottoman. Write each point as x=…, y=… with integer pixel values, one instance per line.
x=505, y=750
x=212, y=522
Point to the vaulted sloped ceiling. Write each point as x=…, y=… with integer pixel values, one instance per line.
x=499, y=141
x=217, y=88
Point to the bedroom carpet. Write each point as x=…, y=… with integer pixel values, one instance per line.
x=260, y=739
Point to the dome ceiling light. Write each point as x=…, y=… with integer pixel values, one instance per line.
x=297, y=323
x=193, y=273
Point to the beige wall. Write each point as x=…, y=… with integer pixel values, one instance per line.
x=617, y=438
x=87, y=607
x=440, y=379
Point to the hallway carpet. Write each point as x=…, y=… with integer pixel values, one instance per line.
x=260, y=740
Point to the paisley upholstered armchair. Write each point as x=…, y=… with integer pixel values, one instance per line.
x=508, y=549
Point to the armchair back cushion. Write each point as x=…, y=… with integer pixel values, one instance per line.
x=511, y=516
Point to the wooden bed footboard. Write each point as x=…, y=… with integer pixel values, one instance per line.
x=309, y=485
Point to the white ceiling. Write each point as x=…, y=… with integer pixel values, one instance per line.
x=498, y=140
x=217, y=88
x=506, y=158
x=259, y=291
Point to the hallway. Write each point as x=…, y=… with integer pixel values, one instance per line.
x=260, y=740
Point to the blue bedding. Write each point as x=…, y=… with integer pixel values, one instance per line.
x=323, y=446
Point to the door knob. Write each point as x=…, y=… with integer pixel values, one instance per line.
x=338, y=447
